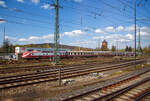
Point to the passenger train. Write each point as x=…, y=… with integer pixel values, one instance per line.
x=39, y=53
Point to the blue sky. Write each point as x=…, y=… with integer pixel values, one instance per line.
x=82, y=22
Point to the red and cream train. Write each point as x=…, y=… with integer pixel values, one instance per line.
x=38, y=53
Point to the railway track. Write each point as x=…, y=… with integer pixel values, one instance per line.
x=77, y=67
x=51, y=75
x=42, y=68
x=144, y=96
x=132, y=88
x=133, y=92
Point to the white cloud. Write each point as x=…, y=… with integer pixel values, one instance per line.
x=114, y=37
x=84, y=43
x=98, y=37
x=31, y=39
x=2, y=3
x=120, y=37
x=22, y=39
x=47, y=6
x=35, y=1
x=34, y=39
x=99, y=31
x=120, y=28
x=129, y=36
x=144, y=28
x=144, y=33
x=21, y=1
x=131, y=28
x=74, y=33
x=49, y=36
x=110, y=29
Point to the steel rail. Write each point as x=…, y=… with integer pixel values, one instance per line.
x=24, y=82
x=66, y=72
x=34, y=68
x=54, y=70
x=70, y=98
x=141, y=96
x=112, y=95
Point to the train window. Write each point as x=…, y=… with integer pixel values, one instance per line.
x=29, y=49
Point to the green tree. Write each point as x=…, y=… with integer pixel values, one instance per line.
x=148, y=49
x=130, y=49
x=6, y=46
x=145, y=50
x=47, y=46
x=127, y=49
x=113, y=48
x=122, y=50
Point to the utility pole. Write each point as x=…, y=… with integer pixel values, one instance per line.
x=4, y=36
x=139, y=42
x=117, y=45
x=81, y=22
x=56, y=39
x=56, y=33
x=135, y=33
x=98, y=43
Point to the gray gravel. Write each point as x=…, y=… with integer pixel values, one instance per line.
x=96, y=86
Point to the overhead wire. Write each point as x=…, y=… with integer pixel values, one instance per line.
x=69, y=22
x=125, y=3
x=33, y=20
x=18, y=10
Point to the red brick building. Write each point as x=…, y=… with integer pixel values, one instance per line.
x=104, y=45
